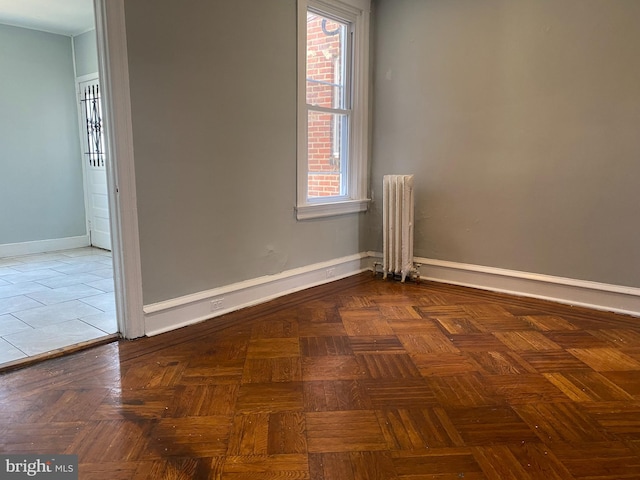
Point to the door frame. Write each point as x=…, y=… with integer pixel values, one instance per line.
x=113, y=69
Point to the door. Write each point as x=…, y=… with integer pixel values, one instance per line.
x=92, y=138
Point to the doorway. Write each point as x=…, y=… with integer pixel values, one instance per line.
x=34, y=282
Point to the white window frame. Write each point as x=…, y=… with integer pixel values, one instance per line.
x=355, y=12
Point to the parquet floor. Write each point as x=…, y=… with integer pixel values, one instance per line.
x=358, y=379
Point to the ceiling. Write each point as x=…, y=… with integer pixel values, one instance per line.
x=65, y=17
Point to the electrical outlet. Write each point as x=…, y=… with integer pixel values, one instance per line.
x=217, y=304
x=331, y=272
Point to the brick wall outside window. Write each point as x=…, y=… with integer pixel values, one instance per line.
x=323, y=164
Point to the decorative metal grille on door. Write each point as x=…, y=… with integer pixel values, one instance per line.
x=93, y=115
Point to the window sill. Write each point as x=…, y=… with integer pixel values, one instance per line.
x=319, y=210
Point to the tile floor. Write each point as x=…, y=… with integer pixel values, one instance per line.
x=53, y=300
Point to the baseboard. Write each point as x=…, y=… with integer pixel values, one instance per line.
x=42, y=246
x=599, y=296
x=179, y=312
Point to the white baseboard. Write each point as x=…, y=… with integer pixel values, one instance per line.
x=42, y=246
x=599, y=296
x=180, y=312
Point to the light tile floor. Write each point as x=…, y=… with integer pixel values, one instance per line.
x=54, y=300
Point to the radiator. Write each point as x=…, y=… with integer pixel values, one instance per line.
x=397, y=225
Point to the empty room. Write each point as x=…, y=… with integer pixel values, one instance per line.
x=248, y=145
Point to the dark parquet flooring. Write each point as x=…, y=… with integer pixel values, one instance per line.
x=358, y=379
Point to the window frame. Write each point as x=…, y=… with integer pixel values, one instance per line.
x=356, y=13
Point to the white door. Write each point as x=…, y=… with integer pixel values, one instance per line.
x=94, y=158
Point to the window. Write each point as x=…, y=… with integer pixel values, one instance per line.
x=93, y=119
x=332, y=107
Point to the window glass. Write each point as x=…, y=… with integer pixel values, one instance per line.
x=326, y=152
x=326, y=61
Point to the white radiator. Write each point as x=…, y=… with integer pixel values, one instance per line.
x=397, y=225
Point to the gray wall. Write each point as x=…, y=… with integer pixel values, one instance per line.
x=213, y=90
x=521, y=123
x=86, y=53
x=41, y=193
